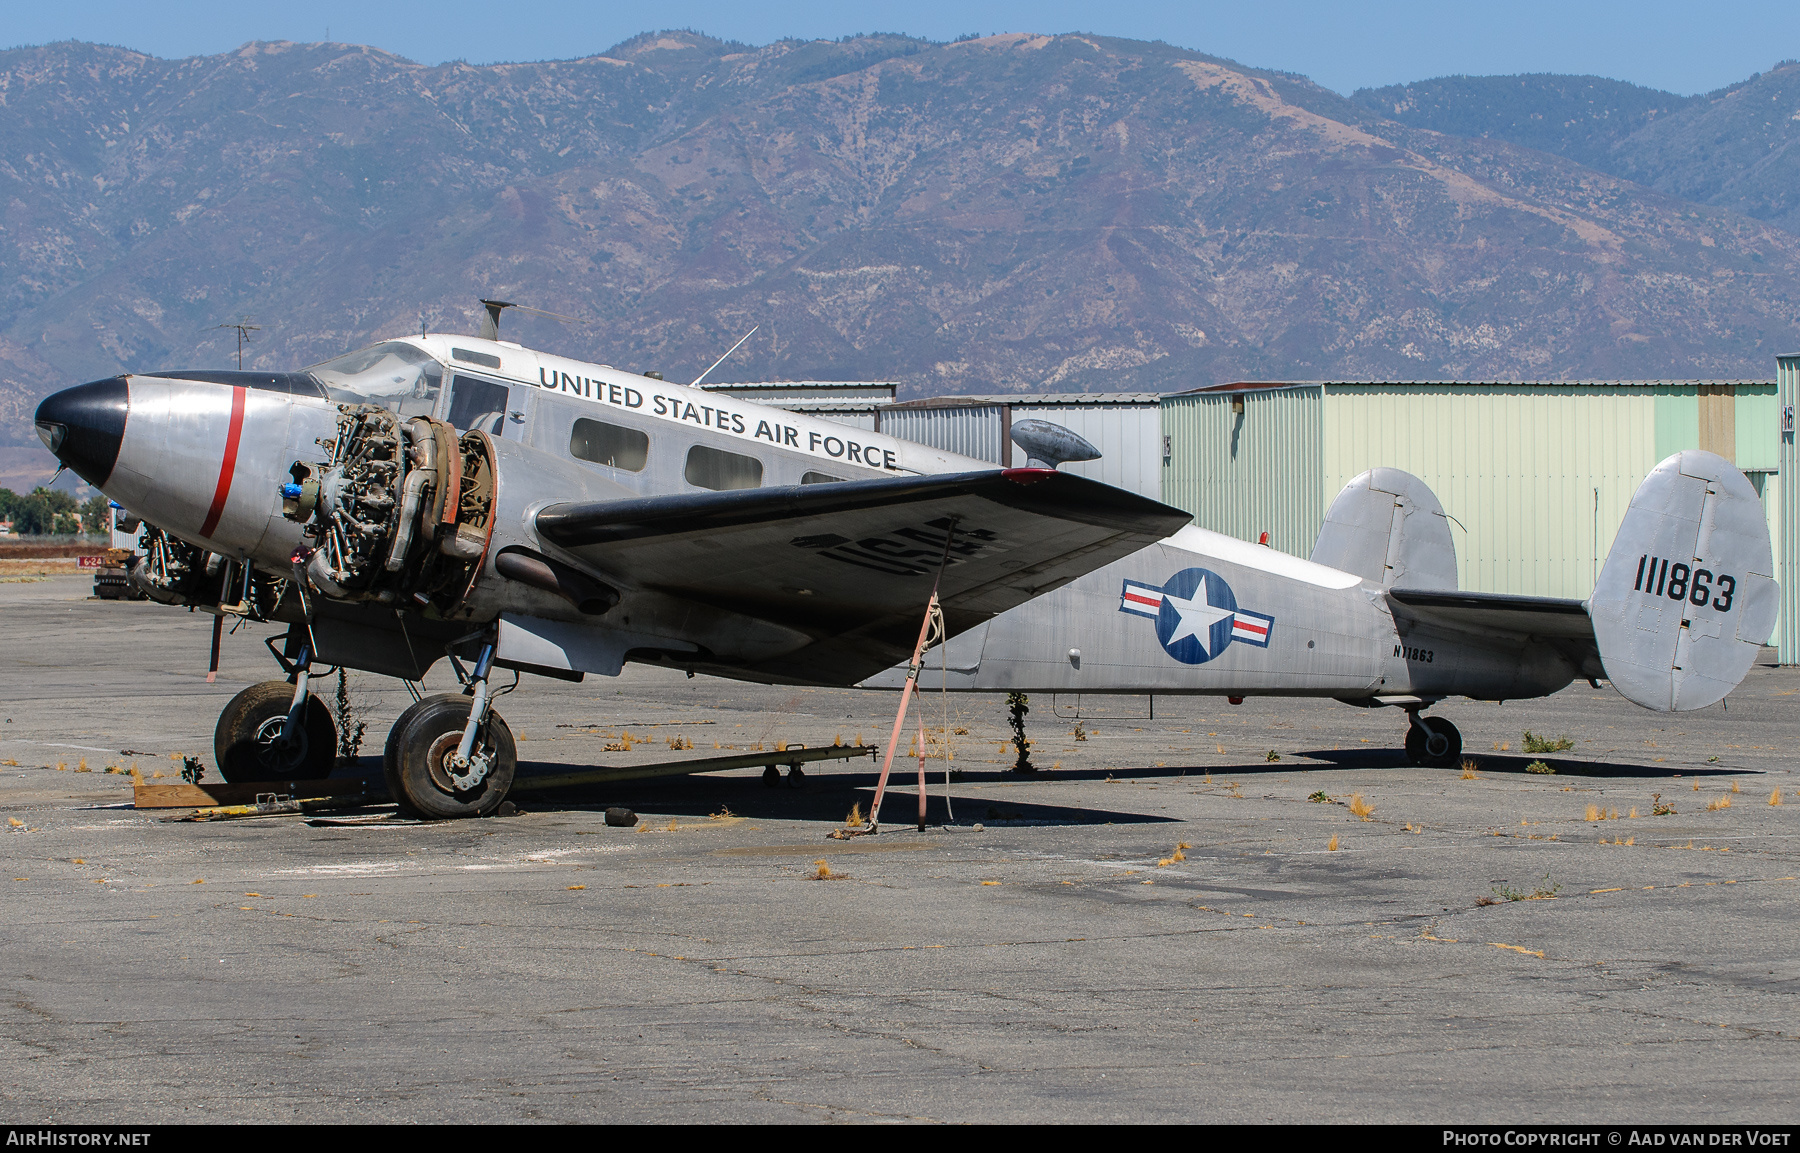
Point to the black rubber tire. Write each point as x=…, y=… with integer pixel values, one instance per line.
x=429, y=730
x=771, y=776
x=796, y=776
x=1419, y=748
x=242, y=740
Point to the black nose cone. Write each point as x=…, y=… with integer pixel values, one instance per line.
x=83, y=426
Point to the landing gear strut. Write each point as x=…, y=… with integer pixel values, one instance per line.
x=451, y=755
x=276, y=731
x=1432, y=741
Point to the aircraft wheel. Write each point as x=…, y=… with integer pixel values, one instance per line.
x=796, y=776
x=419, y=747
x=771, y=776
x=247, y=742
x=1440, y=745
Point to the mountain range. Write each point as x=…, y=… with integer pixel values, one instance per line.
x=1008, y=213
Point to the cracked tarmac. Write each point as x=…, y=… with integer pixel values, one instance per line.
x=1060, y=962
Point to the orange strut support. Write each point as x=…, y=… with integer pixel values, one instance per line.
x=906, y=692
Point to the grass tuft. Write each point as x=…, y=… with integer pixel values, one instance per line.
x=1320, y=798
x=1734, y=787
x=1360, y=807
x=1540, y=767
x=1468, y=770
x=855, y=819
x=1272, y=756
x=1775, y=797
x=1537, y=744
x=1724, y=802
x=1594, y=814
x=1331, y=845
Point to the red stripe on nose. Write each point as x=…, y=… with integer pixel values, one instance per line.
x=228, y=465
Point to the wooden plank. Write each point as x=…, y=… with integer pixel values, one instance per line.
x=214, y=793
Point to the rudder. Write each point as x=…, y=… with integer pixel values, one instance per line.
x=1387, y=527
x=1687, y=595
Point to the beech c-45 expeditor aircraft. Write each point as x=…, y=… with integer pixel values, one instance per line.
x=450, y=496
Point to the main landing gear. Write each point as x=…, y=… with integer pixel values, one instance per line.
x=451, y=755
x=1432, y=741
x=276, y=731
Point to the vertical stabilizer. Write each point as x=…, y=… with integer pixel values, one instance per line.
x=1687, y=596
x=1387, y=527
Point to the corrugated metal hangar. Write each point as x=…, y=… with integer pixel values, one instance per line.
x=1536, y=475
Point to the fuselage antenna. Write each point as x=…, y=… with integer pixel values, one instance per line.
x=728, y=352
x=490, y=328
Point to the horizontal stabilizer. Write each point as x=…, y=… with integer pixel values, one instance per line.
x=851, y=565
x=1497, y=612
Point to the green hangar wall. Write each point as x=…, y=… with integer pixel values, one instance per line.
x=1537, y=476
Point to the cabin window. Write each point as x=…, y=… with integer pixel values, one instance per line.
x=481, y=358
x=610, y=444
x=477, y=403
x=716, y=469
x=821, y=478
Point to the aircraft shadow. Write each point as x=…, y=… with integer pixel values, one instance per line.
x=1515, y=763
x=824, y=797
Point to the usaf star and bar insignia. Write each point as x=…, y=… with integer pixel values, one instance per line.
x=1197, y=616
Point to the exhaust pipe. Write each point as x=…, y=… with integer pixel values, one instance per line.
x=540, y=572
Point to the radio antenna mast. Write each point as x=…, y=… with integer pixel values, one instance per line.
x=244, y=329
x=728, y=352
x=490, y=327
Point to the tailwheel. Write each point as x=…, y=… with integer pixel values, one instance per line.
x=771, y=776
x=796, y=776
x=419, y=761
x=254, y=743
x=1433, y=741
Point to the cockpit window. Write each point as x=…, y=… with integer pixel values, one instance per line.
x=392, y=374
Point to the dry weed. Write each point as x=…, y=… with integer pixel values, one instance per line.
x=855, y=819
x=1360, y=807
x=1331, y=845
x=1775, y=797
x=1734, y=787
x=1468, y=771
x=1724, y=802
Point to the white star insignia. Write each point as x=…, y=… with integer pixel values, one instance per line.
x=1197, y=618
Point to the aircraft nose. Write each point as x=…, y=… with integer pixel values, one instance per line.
x=83, y=427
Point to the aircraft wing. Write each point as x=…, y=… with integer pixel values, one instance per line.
x=1559, y=621
x=851, y=564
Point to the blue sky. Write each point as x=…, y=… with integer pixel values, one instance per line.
x=1683, y=47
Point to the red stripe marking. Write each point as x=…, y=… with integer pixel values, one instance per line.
x=1143, y=600
x=228, y=465
x=1248, y=627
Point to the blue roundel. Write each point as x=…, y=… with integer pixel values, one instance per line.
x=1198, y=641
